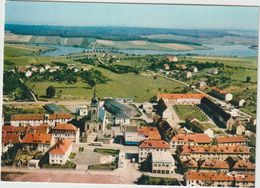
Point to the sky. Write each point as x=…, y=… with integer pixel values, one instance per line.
x=132, y=15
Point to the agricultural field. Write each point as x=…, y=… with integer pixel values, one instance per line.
x=189, y=111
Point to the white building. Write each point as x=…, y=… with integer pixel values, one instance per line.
x=28, y=74
x=163, y=162
x=83, y=111
x=148, y=146
x=66, y=131
x=60, y=152
x=193, y=69
x=39, y=119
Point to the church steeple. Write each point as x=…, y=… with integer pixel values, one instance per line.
x=94, y=100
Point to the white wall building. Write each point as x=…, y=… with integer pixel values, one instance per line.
x=60, y=152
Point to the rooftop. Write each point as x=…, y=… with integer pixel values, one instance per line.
x=244, y=165
x=35, y=138
x=65, y=126
x=154, y=144
x=238, y=149
x=131, y=129
x=7, y=129
x=231, y=139
x=61, y=147
x=23, y=117
x=180, y=96
x=212, y=176
x=215, y=164
x=10, y=138
x=151, y=133
x=53, y=108
x=162, y=156
x=245, y=178
x=192, y=137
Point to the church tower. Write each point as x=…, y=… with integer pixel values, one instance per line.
x=94, y=108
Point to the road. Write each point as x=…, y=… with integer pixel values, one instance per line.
x=67, y=102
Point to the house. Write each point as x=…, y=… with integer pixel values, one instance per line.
x=41, y=129
x=47, y=67
x=37, y=142
x=82, y=111
x=60, y=152
x=38, y=119
x=244, y=167
x=134, y=135
x=231, y=140
x=34, y=69
x=213, y=71
x=201, y=84
x=163, y=162
x=42, y=70
x=214, y=152
x=240, y=129
x=193, y=69
x=7, y=129
x=181, y=98
x=208, y=179
x=214, y=166
x=28, y=74
x=172, y=58
x=181, y=66
x=147, y=107
x=166, y=67
x=118, y=114
x=148, y=146
x=245, y=180
x=131, y=136
x=187, y=74
x=222, y=118
x=222, y=95
x=52, y=108
x=190, y=139
x=239, y=102
x=9, y=140
x=66, y=131
x=167, y=130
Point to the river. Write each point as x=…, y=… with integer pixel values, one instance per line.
x=214, y=50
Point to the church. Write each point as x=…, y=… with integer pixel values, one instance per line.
x=96, y=121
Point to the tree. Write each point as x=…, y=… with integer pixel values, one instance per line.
x=92, y=83
x=248, y=79
x=50, y=91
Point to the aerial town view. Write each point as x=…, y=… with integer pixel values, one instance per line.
x=129, y=94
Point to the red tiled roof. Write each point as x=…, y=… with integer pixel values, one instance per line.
x=215, y=149
x=10, y=138
x=244, y=165
x=65, y=126
x=193, y=137
x=21, y=117
x=245, y=178
x=41, y=129
x=7, y=128
x=61, y=147
x=154, y=144
x=36, y=138
x=204, y=176
x=215, y=164
x=180, y=96
x=192, y=163
x=231, y=139
x=21, y=129
x=151, y=133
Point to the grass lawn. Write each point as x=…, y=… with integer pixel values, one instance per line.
x=250, y=62
x=107, y=166
x=112, y=152
x=189, y=111
x=140, y=87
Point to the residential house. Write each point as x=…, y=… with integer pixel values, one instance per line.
x=231, y=140
x=190, y=139
x=38, y=119
x=181, y=98
x=245, y=180
x=82, y=111
x=201, y=84
x=208, y=179
x=244, y=167
x=213, y=71
x=222, y=95
x=37, y=142
x=147, y=107
x=214, y=166
x=9, y=140
x=148, y=146
x=187, y=74
x=222, y=118
x=214, y=152
x=66, y=131
x=28, y=74
x=163, y=162
x=166, y=67
x=193, y=69
x=172, y=58
x=60, y=152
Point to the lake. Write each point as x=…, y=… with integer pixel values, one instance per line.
x=215, y=50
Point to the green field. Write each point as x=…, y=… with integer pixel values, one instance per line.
x=189, y=111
